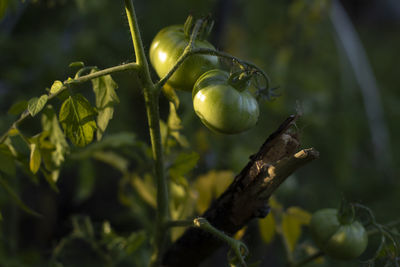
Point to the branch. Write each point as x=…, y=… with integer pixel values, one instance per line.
x=25, y=114
x=246, y=198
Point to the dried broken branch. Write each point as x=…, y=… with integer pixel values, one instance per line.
x=247, y=197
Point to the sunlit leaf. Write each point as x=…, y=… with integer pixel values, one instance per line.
x=221, y=181
x=171, y=95
x=16, y=198
x=291, y=230
x=267, y=228
x=56, y=86
x=35, y=157
x=104, y=89
x=35, y=105
x=174, y=126
x=292, y=221
x=76, y=64
x=183, y=164
x=56, y=137
x=77, y=119
x=146, y=191
x=209, y=186
x=18, y=107
x=301, y=215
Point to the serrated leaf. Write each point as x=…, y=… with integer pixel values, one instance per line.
x=7, y=164
x=18, y=107
x=35, y=105
x=104, y=89
x=183, y=164
x=16, y=198
x=56, y=86
x=35, y=157
x=77, y=119
x=76, y=64
x=267, y=228
x=56, y=137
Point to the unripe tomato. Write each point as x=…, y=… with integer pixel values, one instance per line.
x=167, y=47
x=342, y=241
x=222, y=105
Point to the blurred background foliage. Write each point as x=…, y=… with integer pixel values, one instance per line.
x=102, y=212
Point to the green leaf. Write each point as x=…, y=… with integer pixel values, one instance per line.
x=291, y=230
x=115, y=141
x=267, y=228
x=292, y=221
x=35, y=105
x=171, y=95
x=86, y=181
x=145, y=190
x=135, y=241
x=16, y=198
x=113, y=159
x=77, y=119
x=175, y=125
x=183, y=164
x=56, y=86
x=106, y=97
x=18, y=107
x=301, y=215
x=7, y=164
x=56, y=137
x=76, y=64
x=35, y=157
x=52, y=178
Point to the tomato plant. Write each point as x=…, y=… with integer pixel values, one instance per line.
x=169, y=44
x=224, y=103
x=337, y=238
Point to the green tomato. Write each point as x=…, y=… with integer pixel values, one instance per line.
x=222, y=105
x=342, y=241
x=167, y=47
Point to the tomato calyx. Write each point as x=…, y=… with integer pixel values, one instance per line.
x=240, y=80
x=204, y=31
x=346, y=213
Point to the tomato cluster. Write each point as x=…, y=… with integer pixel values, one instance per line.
x=339, y=239
x=222, y=101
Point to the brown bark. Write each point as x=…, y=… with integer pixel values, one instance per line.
x=246, y=198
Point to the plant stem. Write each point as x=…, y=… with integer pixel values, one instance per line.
x=151, y=96
x=25, y=114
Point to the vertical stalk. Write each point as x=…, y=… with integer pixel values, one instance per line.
x=151, y=96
